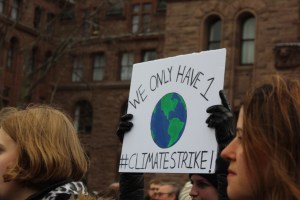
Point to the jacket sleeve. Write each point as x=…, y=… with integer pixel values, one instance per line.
x=131, y=186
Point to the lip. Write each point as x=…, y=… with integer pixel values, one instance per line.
x=230, y=173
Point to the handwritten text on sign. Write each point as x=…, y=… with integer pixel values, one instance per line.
x=184, y=75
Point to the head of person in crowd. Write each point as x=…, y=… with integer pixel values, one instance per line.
x=39, y=147
x=167, y=191
x=265, y=154
x=153, y=188
x=204, y=186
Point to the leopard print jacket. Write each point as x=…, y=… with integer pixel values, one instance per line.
x=61, y=191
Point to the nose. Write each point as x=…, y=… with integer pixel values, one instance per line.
x=229, y=152
x=156, y=197
x=193, y=192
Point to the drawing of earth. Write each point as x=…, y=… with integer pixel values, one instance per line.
x=168, y=120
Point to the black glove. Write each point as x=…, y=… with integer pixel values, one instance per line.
x=124, y=126
x=222, y=120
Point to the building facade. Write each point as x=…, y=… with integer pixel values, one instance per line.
x=79, y=55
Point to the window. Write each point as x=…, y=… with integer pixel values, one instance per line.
x=98, y=67
x=161, y=6
x=15, y=11
x=42, y=100
x=115, y=7
x=85, y=22
x=126, y=66
x=95, y=25
x=83, y=117
x=50, y=23
x=214, y=34
x=5, y=96
x=47, y=63
x=6, y=92
x=67, y=13
x=11, y=53
x=2, y=6
x=141, y=17
x=77, y=69
x=2, y=37
x=90, y=22
x=5, y=103
x=37, y=17
x=149, y=55
x=33, y=59
x=247, y=40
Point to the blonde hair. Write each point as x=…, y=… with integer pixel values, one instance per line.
x=272, y=129
x=48, y=145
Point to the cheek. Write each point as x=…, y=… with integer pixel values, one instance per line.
x=240, y=186
x=210, y=194
x=6, y=188
x=243, y=171
x=6, y=162
x=4, y=165
x=2, y=171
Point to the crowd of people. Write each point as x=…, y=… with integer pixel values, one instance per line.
x=41, y=157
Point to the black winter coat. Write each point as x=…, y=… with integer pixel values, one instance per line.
x=131, y=186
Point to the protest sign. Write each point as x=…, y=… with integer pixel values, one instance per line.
x=168, y=99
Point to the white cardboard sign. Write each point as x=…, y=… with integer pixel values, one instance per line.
x=168, y=99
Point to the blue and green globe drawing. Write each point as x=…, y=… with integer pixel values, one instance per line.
x=168, y=120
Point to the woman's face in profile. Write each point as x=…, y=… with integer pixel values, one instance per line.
x=8, y=158
x=239, y=180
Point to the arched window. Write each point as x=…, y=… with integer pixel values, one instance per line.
x=213, y=32
x=11, y=53
x=83, y=117
x=247, y=39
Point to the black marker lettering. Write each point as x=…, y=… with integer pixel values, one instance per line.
x=204, y=95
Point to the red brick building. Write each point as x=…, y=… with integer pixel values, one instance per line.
x=81, y=53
